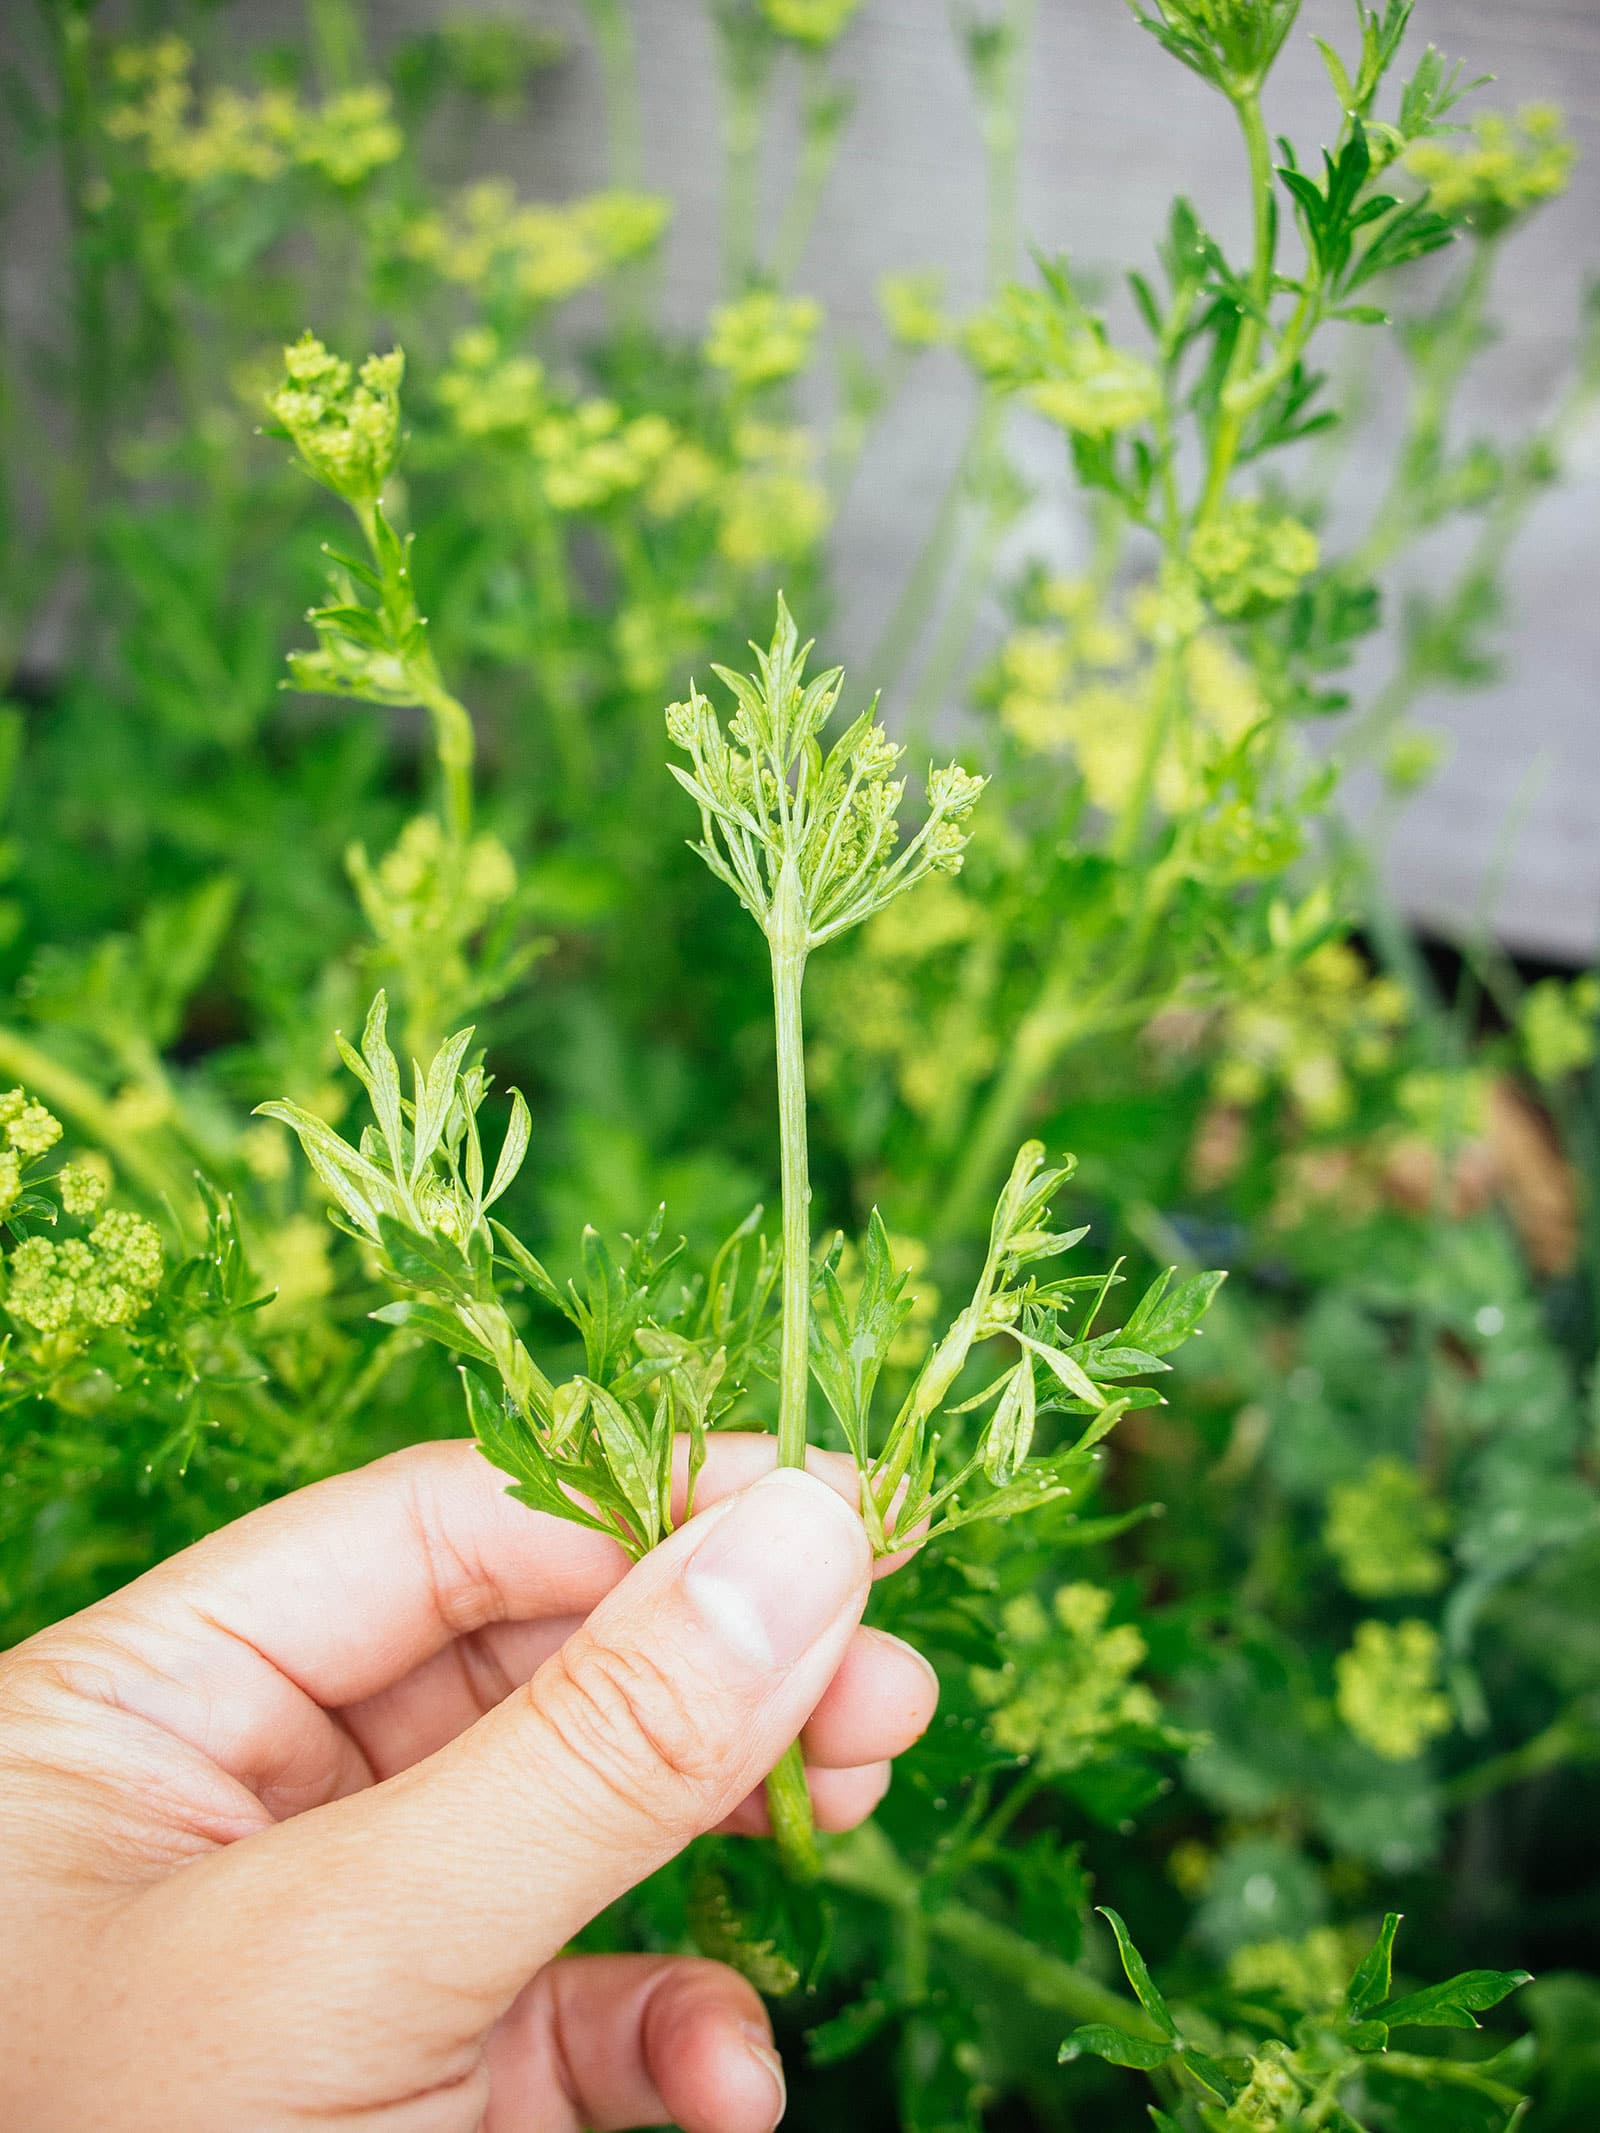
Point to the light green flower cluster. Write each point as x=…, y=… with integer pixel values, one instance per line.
x=1270, y=2098
x=488, y=393
x=763, y=338
x=1560, y=1027
x=771, y=508
x=1037, y=342
x=1071, y=1688
x=83, y=1284
x=1501, y=169
x=913, y=309
x=1247, y=558
x=591, y=455
x=534, y=251
x=424, y=898
x=876, y=1007
x=30, y=1130
x=1383, y=1532
x=1310, y=1972
x=1310, y=1030
x=1050, y=691
x=1387, y=1687
x=345, y=139
x=344, y=424
x=81, y=1189
x=588, y=453
x=814, y=23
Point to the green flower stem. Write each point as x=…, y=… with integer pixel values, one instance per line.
x=1231, y=409
x=612, y=22
x=1046, y=1033
x=788, y=1801
x=455, y=748
x=794, y=1826
x=93, y=356
x=334, y=28
x=746, y=70
x=962, y=603
x=819, y=149
x=905, y=627
x=1062, y=1017
x=788, y=942
x=618, y=50
x=1000, y=127
x=454, y=743
x=1440, y=367
x=866, y=1864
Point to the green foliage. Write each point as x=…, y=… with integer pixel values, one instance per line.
x=1355, y=1666
x=1277, y=2061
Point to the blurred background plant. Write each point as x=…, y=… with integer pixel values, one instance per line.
x=1355, y=1667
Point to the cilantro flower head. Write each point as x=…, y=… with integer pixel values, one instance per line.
x=1388, y=1688
x=78, y=1286
x=1248, y=558
x=345, y=425
x=814, y=23
x=763, y=338
x=1040, y=342
x=30, y=1130
x=913, y=309
x=1498, y=171
x=1230, y=43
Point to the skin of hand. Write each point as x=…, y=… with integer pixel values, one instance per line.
x=294, y=1828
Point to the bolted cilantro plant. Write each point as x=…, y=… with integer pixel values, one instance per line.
x=809, y=843
x=807, y=836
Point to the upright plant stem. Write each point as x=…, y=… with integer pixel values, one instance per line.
x=788, y=975
x=788, y=1801
x=334, y=27
x=618, y=49
x=819, y=143
x=619, y=64
x=93, y=360
x=746, y=69
x=1231, y=414
x=1000, y=129
x=455, y=748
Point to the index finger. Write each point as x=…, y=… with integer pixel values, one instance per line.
x=346, y=1586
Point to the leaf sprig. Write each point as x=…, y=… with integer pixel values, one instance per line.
x=1298, y=2057
x=902, y=1486
x=658, y=1362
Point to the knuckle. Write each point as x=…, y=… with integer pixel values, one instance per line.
x=622, y=1716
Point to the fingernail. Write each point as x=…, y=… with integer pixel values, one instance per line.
x=909, y=1652
x=778, y=1568
x=767, y=2059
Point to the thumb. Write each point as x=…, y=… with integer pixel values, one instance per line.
x=682, y=1690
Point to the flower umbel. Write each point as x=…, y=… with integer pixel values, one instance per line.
x=805, y=839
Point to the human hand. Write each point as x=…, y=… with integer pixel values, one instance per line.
x=294, y=1828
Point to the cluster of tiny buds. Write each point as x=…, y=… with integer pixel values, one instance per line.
x=344, y=425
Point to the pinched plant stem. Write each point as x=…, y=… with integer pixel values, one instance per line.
x=787, y=937
x=788, y=1799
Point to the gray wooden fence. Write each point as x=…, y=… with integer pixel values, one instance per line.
x=1508, y=833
